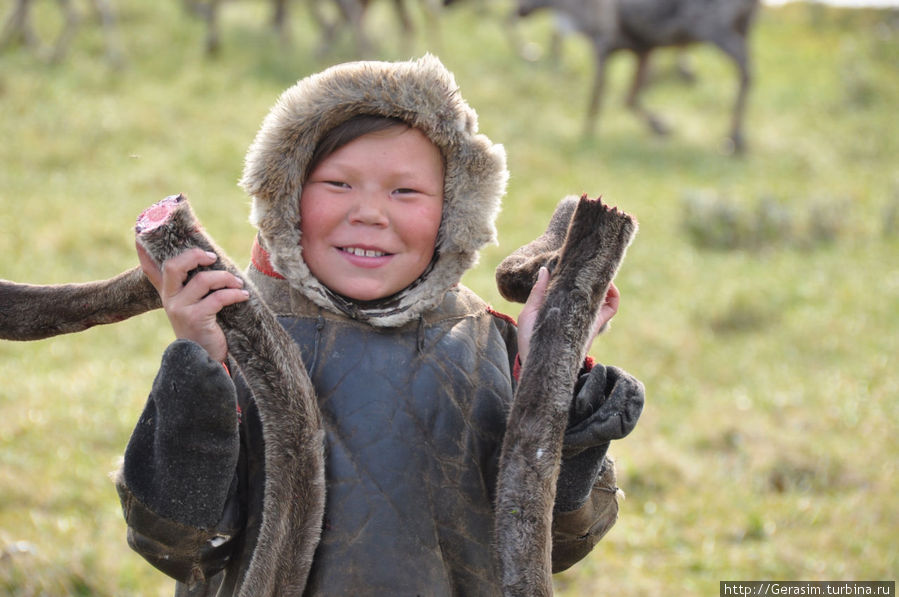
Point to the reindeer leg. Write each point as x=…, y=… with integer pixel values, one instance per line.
x=279, y=21
x=17, y=28
x=35, y=312
x=357, y=21
x=402, y=13
x=353, y=13
x=107, y=19
x=68, y=31
x=327, y=28
x=210, y=15
x=406, y=25
x=633, y=97
x=596, y=93
x=431, y=10
x=517, y=273
x=735, y=48
x=272, y=365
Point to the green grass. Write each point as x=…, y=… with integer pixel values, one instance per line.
x=767, y=449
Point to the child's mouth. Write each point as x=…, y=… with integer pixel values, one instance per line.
x=363, y=252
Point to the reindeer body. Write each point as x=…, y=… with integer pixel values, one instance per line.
x=641, y=26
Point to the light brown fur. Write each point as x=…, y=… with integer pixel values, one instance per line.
x=586, y=262
x=33, y=312
x=273, y=367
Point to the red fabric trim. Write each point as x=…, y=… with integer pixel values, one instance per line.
x=516, y=367
x=261, y=261
x=502, y=316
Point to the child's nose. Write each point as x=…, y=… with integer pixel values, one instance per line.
x=369, y=209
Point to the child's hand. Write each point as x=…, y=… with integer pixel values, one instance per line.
x=192, y=307
x=528, y=316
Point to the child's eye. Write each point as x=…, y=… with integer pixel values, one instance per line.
x=337, y=184
x=405, y=191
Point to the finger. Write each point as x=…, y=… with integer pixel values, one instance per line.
x=205, y=283
x=613, y=298
x=538, y=292
x=607, y=310
x=528, y=315
x=222, y=298
x=176, y=269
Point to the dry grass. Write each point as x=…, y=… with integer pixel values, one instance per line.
x=767, y=449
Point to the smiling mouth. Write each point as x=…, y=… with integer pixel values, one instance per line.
x=363, y=252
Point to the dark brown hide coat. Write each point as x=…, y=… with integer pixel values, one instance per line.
x=414, y=419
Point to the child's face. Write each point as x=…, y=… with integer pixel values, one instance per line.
x=370, y=212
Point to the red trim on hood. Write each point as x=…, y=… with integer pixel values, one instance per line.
x=261, y=261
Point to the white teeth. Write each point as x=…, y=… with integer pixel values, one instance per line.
x=363, y=252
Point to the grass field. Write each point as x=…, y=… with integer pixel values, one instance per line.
x=760, y=299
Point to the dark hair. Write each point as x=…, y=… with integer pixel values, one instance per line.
x=346, y=131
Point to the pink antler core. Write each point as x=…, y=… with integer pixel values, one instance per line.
x=157, y=214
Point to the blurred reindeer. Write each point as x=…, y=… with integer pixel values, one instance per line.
x=351, y=16
x=208, y=10
x=17, y=29
x=641, y=26
x=331, y=16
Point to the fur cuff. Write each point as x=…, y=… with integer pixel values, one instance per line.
x=183, y=452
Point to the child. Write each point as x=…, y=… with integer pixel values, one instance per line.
x=372, y=192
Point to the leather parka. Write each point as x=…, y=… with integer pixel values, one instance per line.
x=414, y=419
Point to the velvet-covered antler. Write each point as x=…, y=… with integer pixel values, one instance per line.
x=584, y=260
x=34, y=312
x=272, y=365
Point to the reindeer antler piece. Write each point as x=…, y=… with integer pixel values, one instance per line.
x=585, y=263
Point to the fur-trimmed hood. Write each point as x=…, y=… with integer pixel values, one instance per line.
x=422, y=93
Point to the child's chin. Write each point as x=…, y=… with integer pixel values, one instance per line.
x=366, y=292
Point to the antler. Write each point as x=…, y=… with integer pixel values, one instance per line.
x=585, y=259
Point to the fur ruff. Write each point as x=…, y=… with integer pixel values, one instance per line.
x=423, y=94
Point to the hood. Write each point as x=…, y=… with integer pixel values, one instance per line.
x=422, y=93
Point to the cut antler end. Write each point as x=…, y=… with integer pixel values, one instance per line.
x=158, y=213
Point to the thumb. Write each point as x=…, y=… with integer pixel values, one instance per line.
x=528, y=317
x=538, y=292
